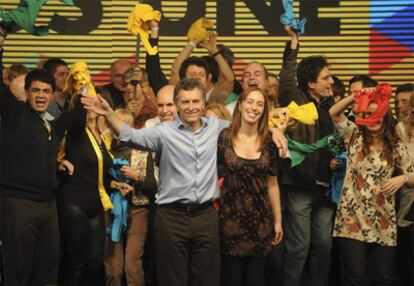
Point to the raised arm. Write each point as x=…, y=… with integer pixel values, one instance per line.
x=156, y=77
x=337, y=110
x=100, y=106
x=10, y=107
x=182, y=56
x=147, y=137
x=225, y=82
x=77, y=119
x=288, y=89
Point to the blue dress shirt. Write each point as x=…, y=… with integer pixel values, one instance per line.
x=188, y=170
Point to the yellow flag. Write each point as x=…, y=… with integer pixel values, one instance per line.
x=136, y=24
x=306, y=114
x=79, y=80
x=200, y=30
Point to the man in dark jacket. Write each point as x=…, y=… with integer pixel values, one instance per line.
x=309, y=214
x=117, y=86
x=28, y=183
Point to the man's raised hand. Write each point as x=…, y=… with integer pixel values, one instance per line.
x=96, y=104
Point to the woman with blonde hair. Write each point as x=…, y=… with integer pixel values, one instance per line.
x=217, y=110
x=250, y=213
x=82, y=199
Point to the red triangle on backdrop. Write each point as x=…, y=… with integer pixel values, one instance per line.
x=384, y=52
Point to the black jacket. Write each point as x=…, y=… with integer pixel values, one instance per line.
x=28, y=151
x=316, y=165
x=156, y=77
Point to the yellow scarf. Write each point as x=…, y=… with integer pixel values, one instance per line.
x=105, y=200
x=107, y=139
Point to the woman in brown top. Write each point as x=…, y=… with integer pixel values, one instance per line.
x=250, y=213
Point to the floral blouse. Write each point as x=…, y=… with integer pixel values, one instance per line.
x=406, y=139
x=363, y=213
x=246, y=219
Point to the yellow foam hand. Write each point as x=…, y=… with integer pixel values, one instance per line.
x=136, y=25
x=200, y=30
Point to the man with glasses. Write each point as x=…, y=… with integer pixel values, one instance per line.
x=118, y=86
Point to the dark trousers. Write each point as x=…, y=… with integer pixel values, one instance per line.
x=148, y=259
x=360, y=258
x=84, y=240
x=275, y=263
x=187, y=247
x=242, y=271
x=31, y=242
x=308, y=230
x=403, y=258
x=336, y=273
x=412, y=249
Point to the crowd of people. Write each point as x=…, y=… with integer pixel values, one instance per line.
x=199, y=179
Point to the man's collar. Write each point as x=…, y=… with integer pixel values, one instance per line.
x=46, y=116
x=181, y=125
x=323, y=100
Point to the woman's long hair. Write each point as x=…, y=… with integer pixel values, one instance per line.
x=219, y=109
x=263, y=130
x=389, y=138
x=407, y=117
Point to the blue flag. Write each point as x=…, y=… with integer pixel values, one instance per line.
x=288, y=18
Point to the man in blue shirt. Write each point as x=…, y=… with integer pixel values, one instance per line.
x=186, y=224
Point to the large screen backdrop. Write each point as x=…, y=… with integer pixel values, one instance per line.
x=358, y=37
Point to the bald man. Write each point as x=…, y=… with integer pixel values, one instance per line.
x=17, y=88
x=254, y=75
x=117, y=86
x=166, y=108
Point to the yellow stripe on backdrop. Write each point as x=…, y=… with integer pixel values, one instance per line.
x=349, y=51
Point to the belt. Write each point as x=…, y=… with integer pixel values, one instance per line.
x=189, y=208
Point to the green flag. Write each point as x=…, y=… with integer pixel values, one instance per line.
x=25, y=16
x=298, y=151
